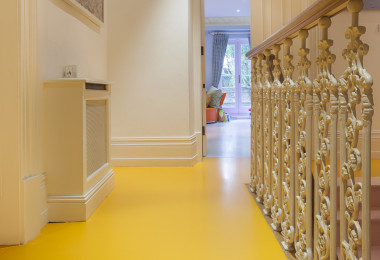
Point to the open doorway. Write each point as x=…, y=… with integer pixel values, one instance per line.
x=227, y=77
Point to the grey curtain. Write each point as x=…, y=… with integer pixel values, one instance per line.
x=218, y=53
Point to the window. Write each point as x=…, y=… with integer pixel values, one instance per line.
x=236, y=77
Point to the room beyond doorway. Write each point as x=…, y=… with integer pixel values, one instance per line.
x=227, y=78
x=236, y=77
x=230, y=139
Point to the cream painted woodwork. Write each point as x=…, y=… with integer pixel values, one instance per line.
x=287, y=224
x=355, y=87
x=267, y=102
x=302, y=109
x=257, y=22
x=304, y=178
x=22, y=181
x=269, y=16
x=76, y=153
x=254, y=171
x=276, y=13
x=325, y=85
x=277, y=172
x=260, y=131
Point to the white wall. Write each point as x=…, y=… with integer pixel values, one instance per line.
x=268, y=16
x=66, y=37
x=154, y=97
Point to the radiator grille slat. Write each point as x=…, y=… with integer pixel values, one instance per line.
x=96, y=130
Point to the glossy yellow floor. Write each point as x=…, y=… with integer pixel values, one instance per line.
x=203, y=212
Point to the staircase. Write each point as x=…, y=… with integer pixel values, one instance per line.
x=299, y=117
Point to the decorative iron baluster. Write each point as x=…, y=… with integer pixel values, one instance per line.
x=287, y=224
x=317, y=168
x=304, y=230
x=267, y=94
x=356, y=89
x=326, y=84
x=253, y=126
x=260, y=131
x=276, y=212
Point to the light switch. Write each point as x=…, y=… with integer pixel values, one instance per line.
x=70, y=71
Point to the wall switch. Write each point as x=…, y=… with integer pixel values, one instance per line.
x=70, y=71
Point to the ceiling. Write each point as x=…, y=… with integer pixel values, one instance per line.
x=216, y=8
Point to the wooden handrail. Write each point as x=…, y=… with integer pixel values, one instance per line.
x=306, y=20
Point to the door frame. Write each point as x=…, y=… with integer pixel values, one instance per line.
x=203, y=47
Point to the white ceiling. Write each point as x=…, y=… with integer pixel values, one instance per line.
x=215, y=8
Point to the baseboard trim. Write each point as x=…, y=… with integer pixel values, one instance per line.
x=156, y=162
x=154, y=141
x=156, y=151
x=35, y=218
x=80, y=207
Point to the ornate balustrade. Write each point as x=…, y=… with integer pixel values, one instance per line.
x=296, y=122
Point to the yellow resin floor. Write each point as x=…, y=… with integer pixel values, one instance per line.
x=202, y=212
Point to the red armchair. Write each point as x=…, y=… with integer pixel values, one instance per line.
x=212, y=112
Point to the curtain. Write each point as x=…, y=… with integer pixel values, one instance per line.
x=218, y=53
x=249, y=41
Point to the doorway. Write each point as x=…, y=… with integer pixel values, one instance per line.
x=228, y=135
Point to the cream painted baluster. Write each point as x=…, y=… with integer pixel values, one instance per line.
x=259, y=131
x=277, y=143
x=283, y=146
x=317, y=168
x=303, y=156
x=343, y=116
x=327, y=175
x=268, y=153
x=272, y=155
x=287, y=224
x=253, y=125
x=357, y=83
x=309, y=171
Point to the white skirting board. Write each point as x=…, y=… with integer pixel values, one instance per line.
x=156, y=152
x=35, y=217
x=80, y=207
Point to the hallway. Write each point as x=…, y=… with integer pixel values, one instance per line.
x=201, y=212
